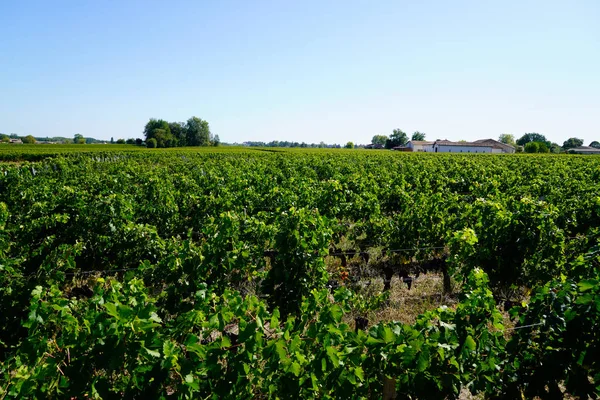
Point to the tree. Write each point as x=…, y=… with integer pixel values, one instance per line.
x=532, y=137
x=130, y=141
x=4, y=138
x=139, y=142
x=507, y=138
x=543, y=148
x=397, y=138
x=349, y=145
x=178, y=131
x=151, y=143
x=571, y=143
x=379, y=139
x=595, y=145
x=112, y=140
x=418, y=136
x=78, y=139
x=120, y=141
x=197, y=132
x=216, y=142
x=555, y=148
x=532, y=147
x=154, y=124
x=163, y=138
x=29, y=139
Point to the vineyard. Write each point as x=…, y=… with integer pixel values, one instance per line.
x=254, y=273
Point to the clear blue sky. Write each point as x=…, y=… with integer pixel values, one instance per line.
x=307, y=70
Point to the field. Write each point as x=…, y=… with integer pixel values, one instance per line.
x=264, y=273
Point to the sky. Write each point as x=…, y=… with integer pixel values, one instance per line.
x=306, y=71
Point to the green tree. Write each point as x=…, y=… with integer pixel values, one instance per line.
x=555, y=148
x=507, y=138
x=151, y=128
x=179, y=132
x=349, y=145
x=130, y=141
x=4, y=138
x=139, y=142
x=418, y=136
x=112, y=140
x=216, y=142
x=543, y=148
x=379, y=139
x=532, y=137
x=197, y=132
x=78, y=139
x=151, y=143
x=29, y=139
x=397, y=138
x=595, y=144
x=163, y=138
x=532, y=147
x=121, y=141
x=572, y=143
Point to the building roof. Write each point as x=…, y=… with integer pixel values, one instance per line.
x=585, y=149
x=495, y=143
x=420, y=142
x=468, y=144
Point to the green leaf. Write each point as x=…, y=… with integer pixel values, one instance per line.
x=274, y=319
x=333, y=355
x=422, y=362
x=360, y=374
x=585, y=299
x=470, y=343
x=336, y=313
x=295, y=368
x=153, y=353
x=587, y=284
x=388, y=335
x=111, y=309
x=280, y=349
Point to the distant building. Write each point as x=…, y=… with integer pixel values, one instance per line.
x=479, y=146
x=446, y=146
x=420, y=146
x=16, y=141
x=584, y=150
x=506, y=148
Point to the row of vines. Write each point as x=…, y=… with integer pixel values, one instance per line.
x=184, y=274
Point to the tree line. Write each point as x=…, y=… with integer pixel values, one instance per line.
x=537, y=143
x=193, y=132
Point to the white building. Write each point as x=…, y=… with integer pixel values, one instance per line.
x=479, y=146
x=420, y=146
x=506, y=148
x=584, y=150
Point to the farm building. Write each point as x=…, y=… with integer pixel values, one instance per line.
x=585, y=150
x=506, y=148
x=479, y=146
x=420, y=146
x=446, y=146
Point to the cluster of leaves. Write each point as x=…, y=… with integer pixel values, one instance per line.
x=119, y=343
